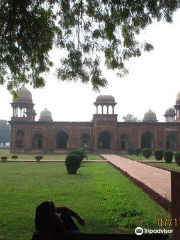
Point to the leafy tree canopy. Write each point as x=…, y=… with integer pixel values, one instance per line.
x=85, y=30
x=4, y=132
x=130, y=118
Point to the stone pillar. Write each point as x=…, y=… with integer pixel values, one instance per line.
x=96, y=109
x=102, y=109
x=112, y=109
x=175, y=196
x=107, y=109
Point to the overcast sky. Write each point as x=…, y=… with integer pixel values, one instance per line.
x=152, y=83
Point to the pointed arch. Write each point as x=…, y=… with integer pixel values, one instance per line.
x=124, y=141
x=147, y=140
x=171, y=142
x=37, y=141
x=62, y=140
x=85, y=140
x=104, y=140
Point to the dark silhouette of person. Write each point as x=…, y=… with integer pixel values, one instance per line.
x=48, y=221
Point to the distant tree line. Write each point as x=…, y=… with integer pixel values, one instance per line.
x=5, y=130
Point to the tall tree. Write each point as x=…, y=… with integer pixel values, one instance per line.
x=130, y=118
x=85, y=30
x=4, y=132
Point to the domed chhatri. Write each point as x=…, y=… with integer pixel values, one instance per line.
x=178, y=98
x=170, y=111
x=170, y=115
x=45, y=116
x=150, y=116
x=24, y=95
x=105, y=99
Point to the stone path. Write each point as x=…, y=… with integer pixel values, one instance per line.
x=157, y=179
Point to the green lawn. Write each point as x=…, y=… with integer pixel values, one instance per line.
x=109, y=202
x=46, y=156
x=171, y=166
x=141, y=158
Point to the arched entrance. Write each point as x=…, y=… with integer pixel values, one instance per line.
x=104, y=140
x=171, y=142
x=62, y=140
x=85, y=140
x=37, y=141
x=147, y=140
x=124, y=142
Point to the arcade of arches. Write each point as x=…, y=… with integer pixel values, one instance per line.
x=103, y=134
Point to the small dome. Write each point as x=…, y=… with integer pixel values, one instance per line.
x=105, y=99
x=170, y=111
x=24, y=95
x=178, y=98
x=150, y=116
x=45, y=116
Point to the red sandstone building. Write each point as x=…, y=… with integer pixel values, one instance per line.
x=103, y=134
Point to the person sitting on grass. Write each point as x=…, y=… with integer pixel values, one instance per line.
x=48, y=221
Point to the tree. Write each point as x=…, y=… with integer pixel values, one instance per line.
x=4, y=132
x=130, y=118
x=85, y=30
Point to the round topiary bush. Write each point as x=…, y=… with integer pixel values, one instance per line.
x=14, y=156
x=84, y=151
x=80, y=153
x=137, y=151
x=158, y=154
x=168, y=156
x=73, y=163
x=177, y=158
x=38, y=158
x=3, y=158
x=147, y=152
x=131, y=151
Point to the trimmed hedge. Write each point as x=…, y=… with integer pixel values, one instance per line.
x=38, y=158
x=168, y=156
x=131, y=151
x=3, y=158
x=84, y=151
x=137, y=151
x=158, y=154
x=14, y=156
x=73, y=163
x=177, y=158
x=147, y=152
x=80, y=153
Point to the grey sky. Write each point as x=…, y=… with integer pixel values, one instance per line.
x=153, y=83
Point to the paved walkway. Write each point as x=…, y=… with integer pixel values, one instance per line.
x=157, y=179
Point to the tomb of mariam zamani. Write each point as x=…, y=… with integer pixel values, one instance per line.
x=104, y=134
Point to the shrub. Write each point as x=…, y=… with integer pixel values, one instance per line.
x=80, y=153
x=168, y=156
x=137, y=151
x=3, y=158
x=73, y=163
x=158, y=154
x=147, y=152
x=177, y=158
x=14, y=156
x=131, y=151
x=38, y=158
x=84, y=151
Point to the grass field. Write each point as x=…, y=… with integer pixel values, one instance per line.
x=45, y=156
x=109, y=202
x=171, y=166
